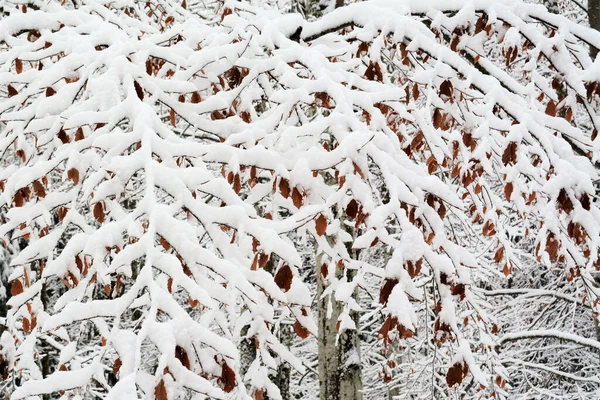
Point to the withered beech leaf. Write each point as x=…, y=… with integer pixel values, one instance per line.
x=117, y=366
x=508, y=189
x=386, y=290
x=300, y=330
x=38, y=189
x=16, y=288
x=196, y=98
x=99, y=212
x=564, y=201
x=321, y=225
x=456, y=374
x=73, y=175
x=297, y=198
x=283, y=278
x=284, y=187
x=228, y=378
x=11, y=91
x=138, y=90
x=173, y=117
x=510, y=154
x=551, y=109
x=352, y=209
x=160, y=391
x=182, y=356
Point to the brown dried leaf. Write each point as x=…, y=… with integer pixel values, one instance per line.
x=138, y=90
x=564, y=201
x=300, y=330
x=283, y=278
x=39, y=189
x=73, y=175
x=99, y=212
x=79, y=134
x=18, y=65
x=11, y=91
x=551, y=109
x=508, y=189
x=182, y=356
x=510, y=154
x=227, y=378
x=297, y=198
x=284, y=187
x=386, y=290
x=16, y=287
x=455, y=375
x=160, y=391
x=196, y=98
x=117, y=366
x=173, y=117
x=321, y=225
x=352, y=209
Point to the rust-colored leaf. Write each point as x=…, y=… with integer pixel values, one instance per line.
x=64, y=138
x=26, y=325
x=39, y=189
x=237, y=184
x=297, y=198
x=11, y=91
x=73, y=175
x=160, y=391
x=456, y=374
x=510, y=154
x=227, y=378
x=552, y=247
x=182, y=356
x=164, y=243
x=446, y=89
x=16, y=287
x=173, y=117
x=79, y=134
x=564, y=201
x=283, y=278
x=499, y=254
x=352, y=209
x=386, y=290
x=551, y=109
x=117, y=366
x=138, y=90
x=50, y=91
x=321, y=224
x=196, y=98
x=324, y=270
x=508, y=189
x=363, y=48
x=19, y=200
x=18, y=65
x=300, y=330
x=99, y=212
x=284, y=187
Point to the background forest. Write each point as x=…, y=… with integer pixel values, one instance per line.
x=299, y=199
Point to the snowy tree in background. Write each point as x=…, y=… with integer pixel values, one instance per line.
x=410, y=183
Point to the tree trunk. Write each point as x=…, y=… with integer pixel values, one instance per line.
x=282, y=380
x=339, y=365
x=594, y=17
